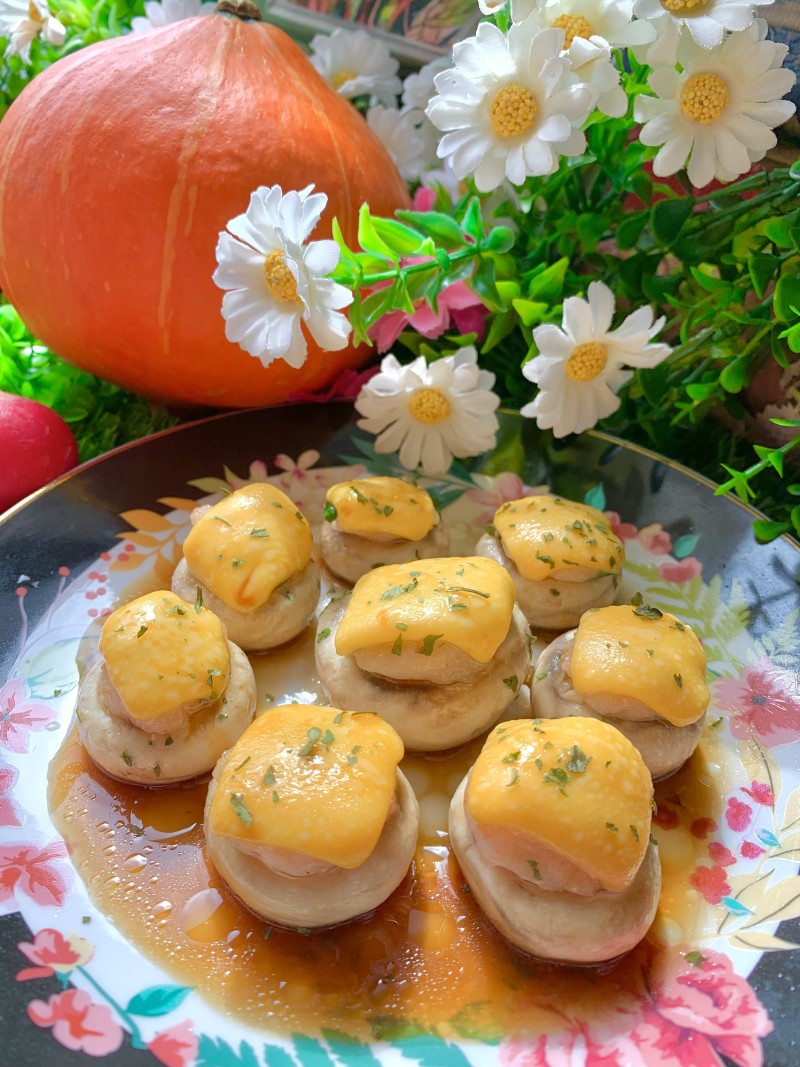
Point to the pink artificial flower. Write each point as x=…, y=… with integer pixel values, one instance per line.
x=492, y=492
x=32, y=870
x=424, y=199
x=346, y=386
x=701, y=1012
x=53, y=954
x=761, y=793
x=710, y=883
x=625, y=531
x=720, y=855
x=78, y=1023
x=682, y=571
x=751, y=851
x=175, y=1047
x=10, y=814
x=738, y=815
x=19, y=715
x=761, y=704
x=655, y=539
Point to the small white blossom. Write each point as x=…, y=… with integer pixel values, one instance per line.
x=276, y=281
x=720, y=110
x=610, y=19
x=705, y=20
x=357, y=64
x=22, y=21
x=158, y=13
x=579, y=369
x=506, y=108
x=592, y=65
x=399, y=134
x=430, y=412
x=418, y=88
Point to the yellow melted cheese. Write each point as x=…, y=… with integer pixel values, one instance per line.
x=545, y=534
x=576, y=785
x=247, y=545
x=388, y=507
x=657, y=661
x=466, y=601
x=313, y=780
x=161, y=652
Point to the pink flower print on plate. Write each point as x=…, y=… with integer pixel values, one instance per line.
x=52, y=953
x=763, y=703
x=20, y=716
x=78, y=1023
x=25, y=868
x=176, y=1046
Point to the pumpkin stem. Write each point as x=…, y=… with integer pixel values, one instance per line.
x=243, y=9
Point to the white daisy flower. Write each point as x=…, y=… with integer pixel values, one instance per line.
x=399, y=134
x=276, y=280
x=158, y=13
x=418, y=88
x=719, y=112
x=22, y=21
x=610, y=19
x=506, y=108
x=357, y=64
x=579, y=366
x=430, y=412
x=705, y=20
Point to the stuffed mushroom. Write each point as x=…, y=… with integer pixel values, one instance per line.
x=309, y=820
x=437, y=647
x=636, y=667
x=250, y=555
x=563, y=557
x=167, y=693
x=373, y=522
x=551, y=828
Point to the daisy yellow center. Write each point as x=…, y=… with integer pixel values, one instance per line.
x=683, y=7
x=573, y=26
x=429, y=406
x=513, y=111
x=341, y=77
x=704, y=98
x=586, y=361
x=280, y=280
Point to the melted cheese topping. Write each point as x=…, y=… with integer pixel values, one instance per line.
x=313, y=780
x=576, y=785
x=387, y=507
x=161, y=652
x=544, y=534
x=247, y=545
x=657, y=661
x=464, y=601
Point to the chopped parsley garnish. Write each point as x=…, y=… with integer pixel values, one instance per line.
x=678, y=681
x=512, y=757
x=634, y=832
x=198, y=600
x=239, y=806
x=397, y=647
x=397, y=590
x=314, y=734
x=555, y=592
x=168, y=741
x=142, y=632
x=328, y=739
x=359, y=495
x=491, y=529
x=458, y=607
x=275, y=797
x=644, y=611
x=219, y=518
x=323, y=634
x=387, y=511
x=512, y=683
x=299, y=517
x=459, y=571
x=289, y=596
x=426, y=648
x=237, y=563
x=540, y=675
x=649, y=652
x=176, y=609
x=127, y=758
x=514, y=778
x=240, y=765
x=269, y=777
x=697, y=959
x=578, y=760
x=258, y=531
x=157, y=770
x=611, y=826
x=557, y=775
x=534, y=866
x=546, y=559
x=338, y=718
x=330, y=512
x=467, y=589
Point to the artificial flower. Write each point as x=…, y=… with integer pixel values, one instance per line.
x=22, y=21
x=719, y=111
x=579, y=366
x=704, y=20
x=506, y=108
x=419, y=88
x=158, y=13
x=456, y=304
x=276, y=281
x=398, y=133
x=357, y=64
x=430, y=412
x=610, y=19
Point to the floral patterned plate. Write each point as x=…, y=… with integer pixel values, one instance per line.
x=116, y=973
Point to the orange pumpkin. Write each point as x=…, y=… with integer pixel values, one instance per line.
x=120, y=165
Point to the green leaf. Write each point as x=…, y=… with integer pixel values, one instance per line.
x=765, y=530
x=761, y=267
x=707, y=282
x=591, y=228
x=369, y=239
x=401, y=239
x=736, y=375
x=158, y=1000
x=445, y=231
x=786, y=295
x=500, y=326
x=500, y=240
x=773, y=456
x=778, y=232
x=630, y=230
x=530, y=312
x=472, y=223
x=701, y=390
x=548, y=285
x=668, y=217
x=483, y=285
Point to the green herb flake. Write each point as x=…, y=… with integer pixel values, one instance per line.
x=299, y=517
x=323, y=634
x=397, y=647
x=275, y=797
x=328, y=739
x=239, y=766
x=538, y=763
x=557, y=775
x=697, y=959
x=546, y=559
x=289, y=596
x=644, y=611
x=269, y=777
x=398, y=590
x=540, y=675
x=267, y=933
x=157, y=770
x=512, y=683
x=86, y=919
x=168, y=741
x=237, y=563
x=127, y=758
x=467, y=589
x=219, y=518
x=338, y=718
x=612, y=827
x=678, y=681
x=634, y=832
x=314, y=734
x=426, y=648
x=330, y=512
x=239, y=806
x=142, y=632
x=304, y=930
x=514, y=778
x=258, y=531
x=650, y=652
x=176, y=609
x=387, y=511
x=491, y=529
x=534, y=866
x=198, y=599
x=578, y=760
x=715, y=725
x=359, y=495
x=459, y=572
x=555, y=592
x=512, y=757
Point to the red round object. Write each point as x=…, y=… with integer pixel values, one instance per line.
x=36, y=446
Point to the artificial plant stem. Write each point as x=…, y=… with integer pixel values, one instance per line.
x=757, y=468
x=418, y=268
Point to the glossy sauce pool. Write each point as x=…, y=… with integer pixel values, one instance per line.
x=425, y=958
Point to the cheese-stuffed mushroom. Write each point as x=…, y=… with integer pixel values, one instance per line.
x=636, y=667
x=166, y=695
x=551, y=828
x=437, y=647
x=373, y=522
x=563, y=557
x=250, y=554
x=309, y=820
